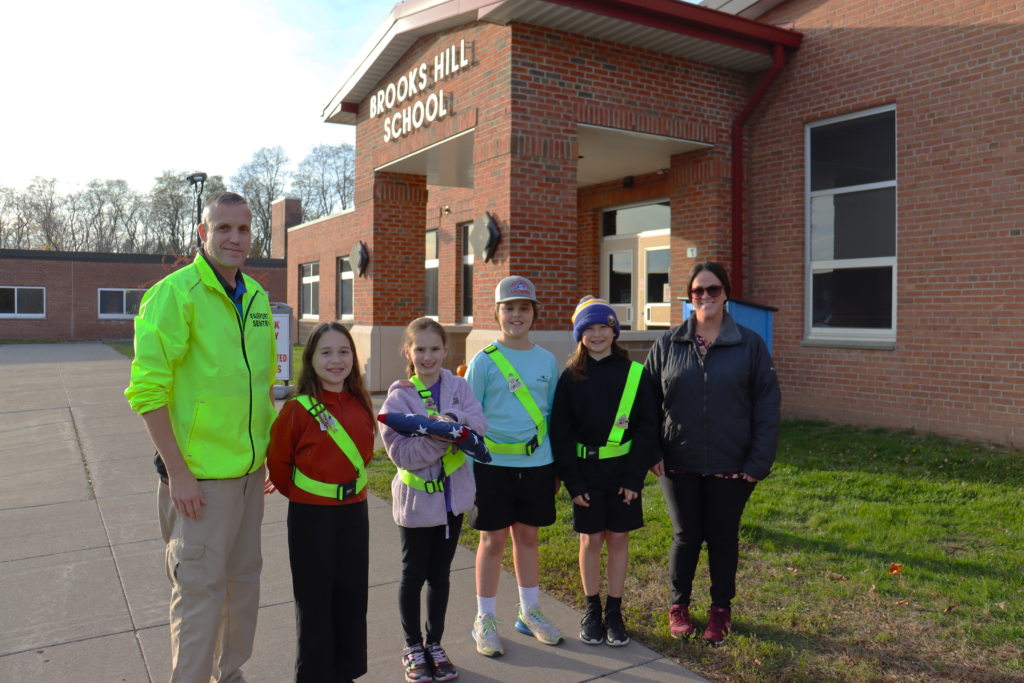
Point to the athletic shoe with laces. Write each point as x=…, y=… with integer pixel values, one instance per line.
x=440, y=665
x=532, y=622
x=617, y=636
x=417, y=668
x=680, y=625
x=591, y=627
x=485, y=634
x=719, y=623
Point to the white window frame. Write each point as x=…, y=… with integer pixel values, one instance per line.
x=23, y=316
x=633, y=205
x=467, y=260
x=350, y=275
x=434, y=264
x=649, y=306
x=308, y=280
x=124, y=303
x=852, y=334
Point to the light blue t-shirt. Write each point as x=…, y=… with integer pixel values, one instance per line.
x=507, y=419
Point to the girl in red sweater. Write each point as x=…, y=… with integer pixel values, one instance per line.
x=320, y=446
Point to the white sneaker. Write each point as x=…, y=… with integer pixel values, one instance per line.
x=532, y=622
x=485, y=633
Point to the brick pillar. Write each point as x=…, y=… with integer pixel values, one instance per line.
x=701, y=201
x=284, y=213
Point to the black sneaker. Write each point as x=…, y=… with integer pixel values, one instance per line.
x=616, y=629
x=417, y=668
x=440, y=665
x=591, y=628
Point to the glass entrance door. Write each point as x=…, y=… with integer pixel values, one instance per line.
x=635, y=264
x=619, y=269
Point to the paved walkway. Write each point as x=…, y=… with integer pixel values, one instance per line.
x=82, y=586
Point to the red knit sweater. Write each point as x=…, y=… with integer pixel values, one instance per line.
x=297, y=440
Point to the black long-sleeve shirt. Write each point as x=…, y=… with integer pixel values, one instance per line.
x=584, y=412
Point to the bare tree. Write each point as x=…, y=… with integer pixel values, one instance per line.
x=171, y=214
x=262, y=181
x=43, y=208
x=325, y=180
x=14, y=228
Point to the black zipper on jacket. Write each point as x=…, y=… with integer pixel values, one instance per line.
x=245, y=357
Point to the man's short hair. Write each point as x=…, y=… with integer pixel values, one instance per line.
x=220, y=199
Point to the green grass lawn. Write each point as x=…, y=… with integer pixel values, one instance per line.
x=816, y=598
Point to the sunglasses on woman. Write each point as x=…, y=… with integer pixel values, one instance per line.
x=713, y=291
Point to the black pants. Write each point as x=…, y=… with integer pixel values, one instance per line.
x=704, y=509
x=426, y=556
x=329, y=551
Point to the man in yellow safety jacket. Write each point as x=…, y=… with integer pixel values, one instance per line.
x=202, y=381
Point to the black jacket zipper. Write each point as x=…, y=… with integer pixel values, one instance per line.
x=245, y=357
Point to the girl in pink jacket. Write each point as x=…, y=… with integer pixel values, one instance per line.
x=433, y=489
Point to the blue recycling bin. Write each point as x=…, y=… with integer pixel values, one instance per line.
x=757, y=317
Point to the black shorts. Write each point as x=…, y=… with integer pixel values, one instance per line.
x=506, y=495
x=607, y=512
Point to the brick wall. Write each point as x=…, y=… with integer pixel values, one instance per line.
x=953, y=72
x=72, y=282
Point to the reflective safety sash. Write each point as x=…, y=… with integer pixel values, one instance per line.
x=518, y=387
x=615, y=447
x=344, y=442
x=452, y=459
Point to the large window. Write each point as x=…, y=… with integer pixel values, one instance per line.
x=22, y=302
x=467, y=275
x=430, y=262
x=310, y=290
x=346, y=280
x=635, y=219
x=119, y=304
x=851, y=227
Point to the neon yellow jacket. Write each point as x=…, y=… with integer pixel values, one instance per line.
x=213, y=368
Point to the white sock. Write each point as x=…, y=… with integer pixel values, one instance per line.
x=529, y=597
x=486, y=605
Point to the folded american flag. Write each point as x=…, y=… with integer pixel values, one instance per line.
x=464, y=438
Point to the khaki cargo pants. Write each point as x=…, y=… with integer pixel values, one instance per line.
x=214, y=569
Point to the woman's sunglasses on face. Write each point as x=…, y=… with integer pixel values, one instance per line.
x=712, y=291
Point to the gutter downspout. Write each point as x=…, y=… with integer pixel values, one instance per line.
x=778, y=62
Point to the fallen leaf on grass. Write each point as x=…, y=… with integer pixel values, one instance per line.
x=757, y=661
x=793, y=569
x=895, y=569
x=906, y=600
x=872, y=588
x=835, y=577
x=951, y=608
x=1001, y=605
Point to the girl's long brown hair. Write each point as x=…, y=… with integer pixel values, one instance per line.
x=409, y=338
x=578, y=360
x=309, y=383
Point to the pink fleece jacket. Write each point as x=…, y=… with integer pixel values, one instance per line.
x=421, y=455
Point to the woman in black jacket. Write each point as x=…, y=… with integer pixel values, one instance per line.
x=720, y=430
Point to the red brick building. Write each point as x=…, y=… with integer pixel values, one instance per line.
x=75, y=296
x=856, y=166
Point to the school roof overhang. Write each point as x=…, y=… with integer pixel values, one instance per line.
x=668, y=26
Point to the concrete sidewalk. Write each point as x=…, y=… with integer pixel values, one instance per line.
x=82, y=583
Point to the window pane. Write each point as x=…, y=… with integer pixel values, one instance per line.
x=466, y=249
x=314, y=300
x=430, y=293
x=431, y=245
x=344, y=266
x=657, y=275
x=112, y=302
x=307, y=296
x=307, y=270
x=636, y=219
x=133, y=300
x=620, y=278
x=854, y=225
x=345, y=296
x=316, y=268
x=853, y=297
x=854, y=152
x=467, y=291
x=30, y=300
x=7, y=300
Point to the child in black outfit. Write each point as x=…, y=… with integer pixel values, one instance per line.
x=604, y=434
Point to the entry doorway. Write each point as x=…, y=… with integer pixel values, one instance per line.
x=634, y=268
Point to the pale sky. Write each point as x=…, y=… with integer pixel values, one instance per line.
x=119, y=89
x=126, y=89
